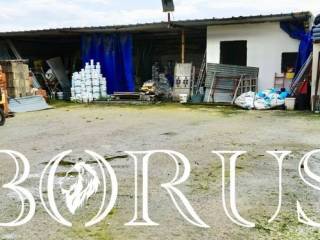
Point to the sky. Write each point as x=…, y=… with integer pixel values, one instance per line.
x=16, y=15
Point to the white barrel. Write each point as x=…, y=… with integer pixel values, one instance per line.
x=96, y=95
x=103, y=80
x=95, y=83
x=89, y=89
x=77, y=90
x=98, y=67
x=90, y=97
x=183, y=98
x=60, y=95
x=95, y=89
x=77, y=83
x=290, y=103
x=104, y=94
x=82, y=74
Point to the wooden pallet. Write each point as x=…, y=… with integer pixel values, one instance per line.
x=126, y=95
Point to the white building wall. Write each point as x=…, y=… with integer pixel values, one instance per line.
x=265, y=42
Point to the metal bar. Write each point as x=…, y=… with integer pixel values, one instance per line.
x=315, y=99
x=211, y=87
x=237, y=89
x=13, y=49
x=300, y=75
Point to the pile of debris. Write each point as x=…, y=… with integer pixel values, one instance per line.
x=262, y=100
x=160, y=89
x=19, y=89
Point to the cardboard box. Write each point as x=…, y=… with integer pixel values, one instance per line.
x=16, y=92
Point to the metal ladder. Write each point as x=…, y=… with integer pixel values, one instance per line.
x=202, y=73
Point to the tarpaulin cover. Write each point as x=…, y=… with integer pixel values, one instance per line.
x=297, y=31
x=115, y=54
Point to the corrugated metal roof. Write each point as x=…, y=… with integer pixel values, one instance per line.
x=156, y=26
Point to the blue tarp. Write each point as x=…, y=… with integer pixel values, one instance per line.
x=115, y=54
x=297, y=31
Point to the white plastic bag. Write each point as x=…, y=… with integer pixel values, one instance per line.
x=246, y=100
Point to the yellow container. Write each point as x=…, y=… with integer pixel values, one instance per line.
x=289, y=75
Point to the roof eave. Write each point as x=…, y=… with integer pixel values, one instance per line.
x=200, y=24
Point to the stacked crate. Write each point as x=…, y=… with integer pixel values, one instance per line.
x=17, y=76
x=3, y=86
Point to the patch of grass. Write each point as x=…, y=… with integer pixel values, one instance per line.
x=297, y=114
x=286, y=227
x=162, y=105
x=63, y=104
x=223, y=110
x=96, y=232
x=203, y=178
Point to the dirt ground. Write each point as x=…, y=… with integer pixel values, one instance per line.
x=194, y=131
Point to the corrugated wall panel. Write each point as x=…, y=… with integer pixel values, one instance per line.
x=225, y=70
x=224, y=89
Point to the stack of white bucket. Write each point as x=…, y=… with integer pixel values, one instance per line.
x=89, y=84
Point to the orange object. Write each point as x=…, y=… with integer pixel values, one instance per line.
x=304, y=88
x=43, y=93
x=3, y=80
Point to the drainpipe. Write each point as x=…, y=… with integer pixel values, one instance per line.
x=183, y=46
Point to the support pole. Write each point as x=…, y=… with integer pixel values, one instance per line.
x=183, y=46
x=316, y=95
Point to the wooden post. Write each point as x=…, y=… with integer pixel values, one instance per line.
x=183, y=46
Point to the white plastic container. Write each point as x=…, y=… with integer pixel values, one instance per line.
x=77, y=90
x=290, y=103
x=95, y=83
x=183, y=98
x=60, y=95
